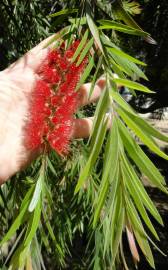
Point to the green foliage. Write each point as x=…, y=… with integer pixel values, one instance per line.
x=97, y=190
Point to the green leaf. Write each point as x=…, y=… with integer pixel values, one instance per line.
x=51, y=167
x=111, y=206
x=51, y=233
x=100, y=112
x=98, y=66
x=144, y=196
x=121, y=28
x=109, y=169
x=121, y=14
x=139, y=232
x=37, y=193
x=142, y=136
x=117, y=222
x=93, y=28
x=144, y=125
x=139, y=196
x=97, y=138
x=86, y=73
x=118, y=98
x=19, y=220
x=118, y=235
x=64, y=12
x=85, y=51
x=78, y=21
x=33, y=223
x=94, y=154
x=81, y=45
x=140, y=158
x=128, y=67
x=125, y=55
x=133, y=85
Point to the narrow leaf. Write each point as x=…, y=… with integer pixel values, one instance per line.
x=63, y=12
x=85, y=51
x=127, y=56
x=86, y=73
x=110, y=164
x=18, y=221
x=37, y=193
x=140, y=158
x=143, y=136
x=93, y=28
x=81, y=45
x=121, y=27
x=133, y=85
x=34, y=223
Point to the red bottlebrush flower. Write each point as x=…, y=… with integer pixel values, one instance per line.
x=42, y=88
x=50, y=74
x=69, y=54
x=54, y=101
x=52, y=57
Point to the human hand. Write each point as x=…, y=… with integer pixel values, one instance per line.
x=16, y=85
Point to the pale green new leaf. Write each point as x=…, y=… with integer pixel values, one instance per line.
x=37, y=193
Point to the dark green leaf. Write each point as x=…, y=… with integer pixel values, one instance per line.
x=63, y=12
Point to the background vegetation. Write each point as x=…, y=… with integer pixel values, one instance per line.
x=65, y=232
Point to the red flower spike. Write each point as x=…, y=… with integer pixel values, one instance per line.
x=69, y=54
x=50, y=74
x=54, y=101
x=53, y=56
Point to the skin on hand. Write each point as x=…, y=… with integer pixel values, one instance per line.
x=16, y=85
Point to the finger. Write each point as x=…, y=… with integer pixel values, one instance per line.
x=37, y=55
x=44, y=44
x=34, y=57
x=84, y=92
x=83, y=127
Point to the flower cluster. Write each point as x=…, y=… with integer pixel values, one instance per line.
x=54, y=101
